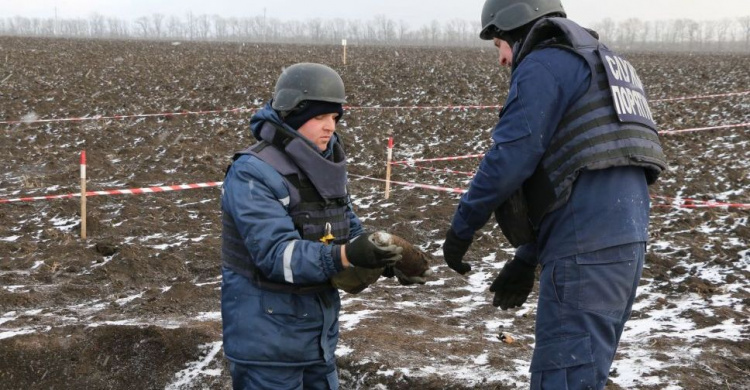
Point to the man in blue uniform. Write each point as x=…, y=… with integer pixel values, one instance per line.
x=288, y=229
x=567, y=177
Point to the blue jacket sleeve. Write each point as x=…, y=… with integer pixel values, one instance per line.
x=256, y=197
x=528, y=254
x=541, y=89
x=355, y=225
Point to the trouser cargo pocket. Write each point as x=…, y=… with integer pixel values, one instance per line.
x=563, y=363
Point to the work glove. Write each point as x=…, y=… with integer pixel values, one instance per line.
x=403, y=279
x=363, y=251
x=513, y=285
x=454, y=250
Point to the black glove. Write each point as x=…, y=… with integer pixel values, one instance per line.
x=363, y=252
x=513, y=285
x=454, y=250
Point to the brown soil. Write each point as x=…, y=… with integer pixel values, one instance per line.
x=129, y=307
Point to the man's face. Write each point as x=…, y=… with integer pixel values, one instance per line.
x=319, y=129
x=505, y=52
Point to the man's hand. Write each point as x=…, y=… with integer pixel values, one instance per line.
x=454, y=250
x=363, y=252
x=513, y=285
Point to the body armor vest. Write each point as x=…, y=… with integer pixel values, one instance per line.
x=610, y=125
x=314, y=215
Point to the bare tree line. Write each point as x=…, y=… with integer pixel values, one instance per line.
x=677, y=34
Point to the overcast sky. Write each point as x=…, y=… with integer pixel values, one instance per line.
x=414, y=12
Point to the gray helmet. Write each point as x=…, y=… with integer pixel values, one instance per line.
x=307, y=81
x=506, y=15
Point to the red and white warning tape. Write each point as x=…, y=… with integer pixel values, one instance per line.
x=673, y=202
x=132, y=191
x=704, y=128
x=412, y=162
x=701, y=97
x=689, y=203
x=436, y=108
x=352, y=108
x=129, y=116
x=440, y=170
x=425, y=186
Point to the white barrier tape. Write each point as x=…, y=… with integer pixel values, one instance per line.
x=449, y=107
x=677, y=203
x=674, y=202
x=700, y=97
x=439, y=170
x=352, y=108
x=689, y=203
x=667, y=132
x=129, y=116
x=426, y=186
x=131, y=191
x=412, y=162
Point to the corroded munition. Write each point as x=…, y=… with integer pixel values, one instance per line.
x=413, y=267
x=414, y=262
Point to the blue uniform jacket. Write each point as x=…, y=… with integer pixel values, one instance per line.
x=272, y=328
x=543, y=86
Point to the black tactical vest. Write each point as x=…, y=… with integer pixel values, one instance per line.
x=317, y=200
x=609, y=126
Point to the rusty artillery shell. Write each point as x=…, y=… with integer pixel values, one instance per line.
x=414, y=262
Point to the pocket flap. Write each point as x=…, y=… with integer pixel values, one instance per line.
x=562, y=352
x=278, y=304
x=615, y=254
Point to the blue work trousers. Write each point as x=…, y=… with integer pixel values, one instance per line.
x=321, y=376
x=584, y=302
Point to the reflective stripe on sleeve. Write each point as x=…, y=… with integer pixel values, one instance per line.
x=288, y=252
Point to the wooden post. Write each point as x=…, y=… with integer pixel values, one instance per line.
x=388, y=168
x=83, y=194
x=343, y=44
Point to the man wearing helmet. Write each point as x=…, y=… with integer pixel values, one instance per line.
x=288, y=228
x=567, y=178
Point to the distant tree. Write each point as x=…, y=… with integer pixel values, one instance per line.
x=676, y=34
x=722, y=29
x=116, y=28
x=338, y=29
x=644, y=31
x=141, y=24
x=221, y=30
x=606, y=29
x=156, y=23
x=745, y=29
x=315, y=27
x=455, y=30
x=628, y=30
x=203, y=27
x=191, y=27
x=403, y=30
x=354, y=29
x=435, y=31
x=174, y=27
x=295, y=30
x=385, y=29
x=693, y=32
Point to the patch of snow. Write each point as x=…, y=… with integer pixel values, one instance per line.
x=195, y=369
